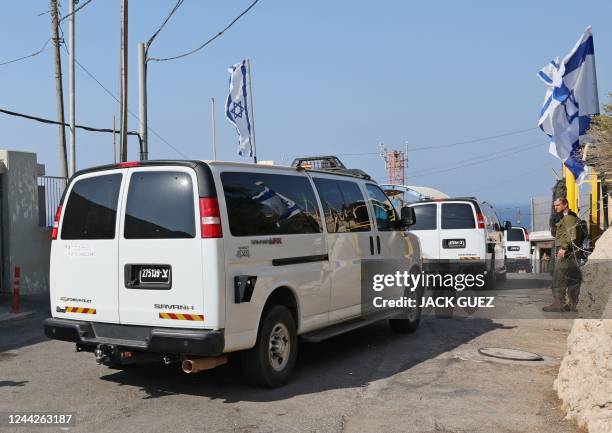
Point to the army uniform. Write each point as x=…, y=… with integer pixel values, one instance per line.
x=566, y=274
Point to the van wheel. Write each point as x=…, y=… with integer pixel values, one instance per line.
x=411, y=319
x=491, y=280
x=271, y=362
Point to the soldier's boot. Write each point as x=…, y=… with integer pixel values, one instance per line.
x=573, y=295
x=555, y=307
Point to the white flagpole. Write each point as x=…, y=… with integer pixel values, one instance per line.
x=251, y=113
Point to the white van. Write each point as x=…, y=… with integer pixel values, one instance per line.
x=518, y=249
x=192, y=260
x=461, y=235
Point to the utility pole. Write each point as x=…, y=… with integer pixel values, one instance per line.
x=71, y=85
x=59, y=91
x=114, y=143
x=142, y=80
x=213, y=128
x=405, y=162
x=124, y=82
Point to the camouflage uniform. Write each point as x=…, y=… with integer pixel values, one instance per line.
x=566, y=274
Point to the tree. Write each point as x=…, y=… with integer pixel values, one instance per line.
x=599, y=152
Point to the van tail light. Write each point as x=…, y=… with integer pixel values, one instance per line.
x=526, y=236
x=55, y=228
x=210, y=218
x=480, y=220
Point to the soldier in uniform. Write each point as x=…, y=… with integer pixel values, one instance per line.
x=566, y=274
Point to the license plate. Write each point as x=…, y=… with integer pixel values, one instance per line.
x=454, y=243
x=158, y=274
x=514, y=248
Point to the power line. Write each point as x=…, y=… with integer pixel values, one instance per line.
x=54, y=122
x=477, y=162
x=75, y=11
x=163, y=24
x=209, y=40
x=477, y=140
x=485, y=156
x=439, y=146
x=35, y=53
x=162, y=139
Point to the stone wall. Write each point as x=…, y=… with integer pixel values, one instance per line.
x=584, y=383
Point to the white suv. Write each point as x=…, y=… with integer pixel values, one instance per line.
x=461, y=235
x=191, y=260
x=518, y=249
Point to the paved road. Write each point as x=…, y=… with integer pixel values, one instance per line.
x=367, y=381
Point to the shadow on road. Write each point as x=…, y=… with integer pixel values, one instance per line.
x=349, y=361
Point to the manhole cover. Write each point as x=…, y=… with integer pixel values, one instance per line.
x=510, y=354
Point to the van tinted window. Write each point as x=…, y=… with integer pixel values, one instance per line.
x=384, y=211
x=344, y=206
x=426, y=217
x=91, y=210
x=260, y=204
x=457, y=216
x=159, y=206
x=516, y=235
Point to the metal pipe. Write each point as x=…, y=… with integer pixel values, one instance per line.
x=196, y=365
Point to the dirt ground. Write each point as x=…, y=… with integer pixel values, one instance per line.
x=370, y=380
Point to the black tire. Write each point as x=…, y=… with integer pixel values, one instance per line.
x=259, y=366
x=410, y=323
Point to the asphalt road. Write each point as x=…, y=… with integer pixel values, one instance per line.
x=370, y=380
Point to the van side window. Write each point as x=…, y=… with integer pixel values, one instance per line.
x=426, y=217
x=160, y=206
x=91, y=210
x=263, y=204
x=457, y=216
x=384, y=211
x=344, y=206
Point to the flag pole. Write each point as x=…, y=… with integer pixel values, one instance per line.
x=251, y=113
x=213, y=129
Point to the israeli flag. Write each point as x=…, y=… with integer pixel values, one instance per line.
x=238, y=107
x=282, y=206
x=571, y=98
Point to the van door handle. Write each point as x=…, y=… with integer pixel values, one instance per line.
x=371, y=245
x=378, y=243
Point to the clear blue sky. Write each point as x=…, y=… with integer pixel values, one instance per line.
x=328, y=77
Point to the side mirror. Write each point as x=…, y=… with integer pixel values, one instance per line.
x=408, y=217
x=507, y=225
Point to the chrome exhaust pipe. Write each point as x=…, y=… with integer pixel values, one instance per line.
x=195, y=365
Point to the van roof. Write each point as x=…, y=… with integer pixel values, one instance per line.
x=206, y=163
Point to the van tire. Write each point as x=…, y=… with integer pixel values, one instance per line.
x=409, y=324
x=491, y=279
x=259, y=366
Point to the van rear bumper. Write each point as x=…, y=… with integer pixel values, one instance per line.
x=443, y=266
x=196, y=342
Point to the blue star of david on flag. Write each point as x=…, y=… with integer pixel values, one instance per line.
x=238, y=107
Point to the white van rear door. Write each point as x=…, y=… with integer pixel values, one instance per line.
x=426, y=229
x=83, y=268
x=160, y=249
x=516, y=245
x=460, y=237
